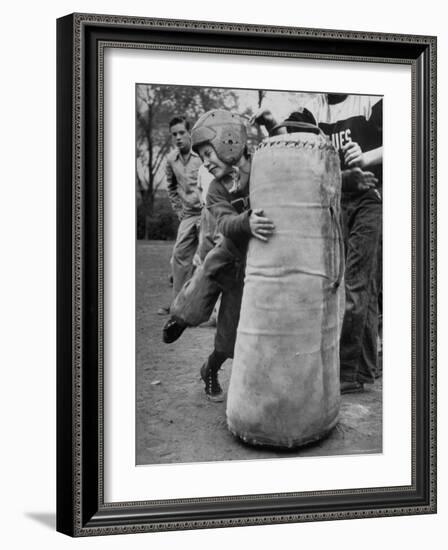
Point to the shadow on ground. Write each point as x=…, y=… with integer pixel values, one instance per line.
x=48, y=519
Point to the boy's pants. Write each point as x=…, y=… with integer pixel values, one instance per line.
x=361, y=216
x=183, y=251
x=222, y=273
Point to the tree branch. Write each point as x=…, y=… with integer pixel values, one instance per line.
x=161, y=153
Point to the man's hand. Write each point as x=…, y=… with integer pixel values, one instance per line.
x=356, y=180
x=263, y=117
x=260, y=227
x=353, y=155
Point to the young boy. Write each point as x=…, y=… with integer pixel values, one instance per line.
x=181, y=174
x=219, y=137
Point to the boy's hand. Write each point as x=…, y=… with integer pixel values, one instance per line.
x=261, y=227
x=353, y=155
x=356, y=180
x=263, y=117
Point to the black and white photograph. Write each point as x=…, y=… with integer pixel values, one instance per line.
x=258, y=314
x=223, y=251
x=246, y=285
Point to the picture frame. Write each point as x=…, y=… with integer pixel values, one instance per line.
x=81, y=506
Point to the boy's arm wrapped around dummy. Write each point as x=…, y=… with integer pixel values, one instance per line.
x=229, y=222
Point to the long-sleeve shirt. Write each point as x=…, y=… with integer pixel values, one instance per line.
x=182, y=183
x=231, y=213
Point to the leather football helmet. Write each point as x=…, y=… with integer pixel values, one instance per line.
x=224, y=130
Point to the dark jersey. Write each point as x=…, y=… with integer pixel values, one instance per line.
x=356, y=118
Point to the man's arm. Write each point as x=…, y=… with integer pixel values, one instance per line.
x=173, y=193
x=355, y=157
x=264, y=117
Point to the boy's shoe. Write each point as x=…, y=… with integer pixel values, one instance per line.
x=213, y=389
x=352, y=387
x=173, y=329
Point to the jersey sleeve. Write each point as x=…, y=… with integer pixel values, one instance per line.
x=231, y=224
x=376, y=117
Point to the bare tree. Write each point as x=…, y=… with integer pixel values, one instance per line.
x=155, y=106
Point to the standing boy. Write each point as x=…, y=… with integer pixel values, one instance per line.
x=181, y=172
x=354, y=124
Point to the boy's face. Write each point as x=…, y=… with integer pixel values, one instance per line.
x=181, y=137
x=213, y=164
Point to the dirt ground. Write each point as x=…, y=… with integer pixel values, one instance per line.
x=175, y=421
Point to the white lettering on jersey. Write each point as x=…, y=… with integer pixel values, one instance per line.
x=340, y=139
